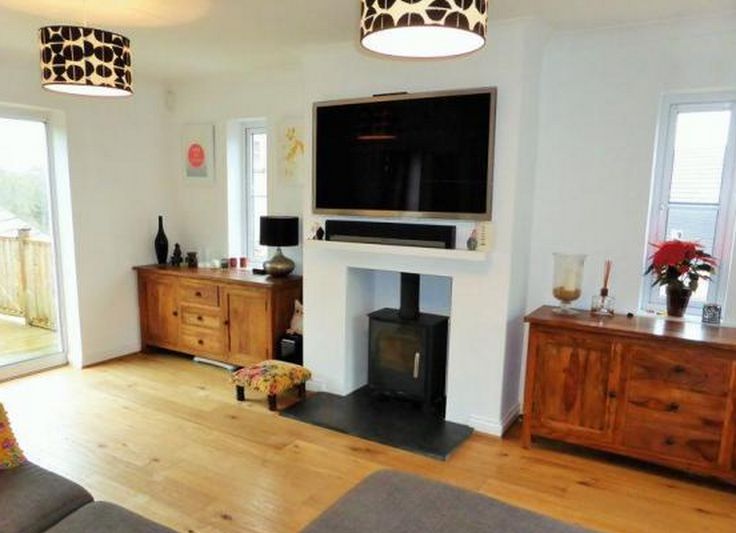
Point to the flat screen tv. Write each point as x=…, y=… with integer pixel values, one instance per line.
x=423, y=155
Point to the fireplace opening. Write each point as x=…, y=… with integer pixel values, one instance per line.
x=407, y=353
x=395, y=366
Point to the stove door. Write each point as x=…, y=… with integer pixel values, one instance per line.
x=396, y=358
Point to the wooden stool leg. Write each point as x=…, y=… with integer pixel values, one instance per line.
x=271, y=402
x=240, y=393
x=302, y=391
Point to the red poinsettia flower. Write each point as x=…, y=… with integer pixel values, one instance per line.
x=680, y=262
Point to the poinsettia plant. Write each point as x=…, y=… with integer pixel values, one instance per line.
x=680, y=264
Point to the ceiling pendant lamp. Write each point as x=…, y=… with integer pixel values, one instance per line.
x=85, y=61
x=423, y=28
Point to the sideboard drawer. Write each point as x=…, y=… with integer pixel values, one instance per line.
x=202, y=340
x=199, y=293
x=660, y=404
x=680, y=368
x=202, y=317
x=673, y=442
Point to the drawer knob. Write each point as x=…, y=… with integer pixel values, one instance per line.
x=200, y=342
x=678, y=369
x=669, y=441
x=612, y=394
x=198, y=294
x=175, y=313
x=673, y=407
x=226, y=323
x=200, y=318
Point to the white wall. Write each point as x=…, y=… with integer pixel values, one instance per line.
x=275, y=96
x=119, y=184
x=491, y=310
x=575, y=137
x=600, y=98
x=511, y=61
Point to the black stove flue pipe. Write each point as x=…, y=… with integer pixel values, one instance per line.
x=409, y=309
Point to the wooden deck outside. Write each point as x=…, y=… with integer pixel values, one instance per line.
x=19, y=342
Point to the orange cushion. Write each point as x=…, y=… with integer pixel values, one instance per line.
x=10, y=453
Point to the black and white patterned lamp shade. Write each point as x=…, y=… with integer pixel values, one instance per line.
x=86, y=61
x=423, y=28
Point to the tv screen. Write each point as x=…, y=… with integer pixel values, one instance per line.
x=425, y=155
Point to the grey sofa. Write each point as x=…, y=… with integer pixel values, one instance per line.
x=33, y=499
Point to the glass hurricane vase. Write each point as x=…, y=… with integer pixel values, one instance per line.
x=568, y=280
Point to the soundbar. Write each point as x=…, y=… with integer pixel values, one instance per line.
x=420, y=235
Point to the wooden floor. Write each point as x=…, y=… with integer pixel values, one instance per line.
x=19, y=342
x=165, y=437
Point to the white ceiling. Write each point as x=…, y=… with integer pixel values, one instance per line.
x=181, y=38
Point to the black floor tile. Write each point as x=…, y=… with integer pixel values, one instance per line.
x=390, y=421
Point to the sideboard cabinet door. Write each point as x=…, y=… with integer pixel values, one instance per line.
x=575, y=386
x=249, y=326
x=161, y=311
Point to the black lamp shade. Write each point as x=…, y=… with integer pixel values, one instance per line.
x=279, y=231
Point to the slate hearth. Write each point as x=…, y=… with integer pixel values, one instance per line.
x=382, y=419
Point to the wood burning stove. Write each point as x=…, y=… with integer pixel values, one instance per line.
x=408, y=350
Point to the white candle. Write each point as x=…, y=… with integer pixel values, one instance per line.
x=571, y=281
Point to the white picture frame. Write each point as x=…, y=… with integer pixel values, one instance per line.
x=198, y=153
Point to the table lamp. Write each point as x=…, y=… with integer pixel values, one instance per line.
x=278, y=232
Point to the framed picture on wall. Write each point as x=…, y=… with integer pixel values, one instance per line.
x=199, y=153
x=291, y=148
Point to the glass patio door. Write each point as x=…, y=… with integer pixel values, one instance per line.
x=31, y=332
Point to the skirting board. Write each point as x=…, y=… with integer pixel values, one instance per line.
x=494, y=427
x=315, y=385
x=95, y=358
x=32, y=366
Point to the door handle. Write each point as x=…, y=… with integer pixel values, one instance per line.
x=417, y=358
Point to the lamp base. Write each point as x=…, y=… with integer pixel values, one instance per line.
x=279, y=265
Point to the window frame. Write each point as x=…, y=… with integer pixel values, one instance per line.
x=672, y=106
x=248, y=132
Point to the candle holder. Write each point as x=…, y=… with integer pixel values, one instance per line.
x=568, y=280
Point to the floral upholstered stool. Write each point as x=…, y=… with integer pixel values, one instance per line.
x=271, y=377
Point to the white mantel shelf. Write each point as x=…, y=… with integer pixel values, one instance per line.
x=410, y=251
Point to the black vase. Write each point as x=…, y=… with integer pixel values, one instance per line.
x=161, y=244
x=678, y=298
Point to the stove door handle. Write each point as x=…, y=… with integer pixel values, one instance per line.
x=417, y=359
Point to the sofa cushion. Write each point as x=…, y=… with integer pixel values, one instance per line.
x=33, y=499
x=107, y=517
x=11, y=455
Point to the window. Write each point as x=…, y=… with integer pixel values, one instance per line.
x=256, y=191
x=693, y=186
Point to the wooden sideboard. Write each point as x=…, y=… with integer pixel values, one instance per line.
x=659, y=390
x=228, y=315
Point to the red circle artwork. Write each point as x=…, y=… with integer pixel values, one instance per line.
x=195, y=155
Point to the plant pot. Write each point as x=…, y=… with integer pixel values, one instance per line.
x=678, y=298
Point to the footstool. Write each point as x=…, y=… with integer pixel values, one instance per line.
x=271, y=377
